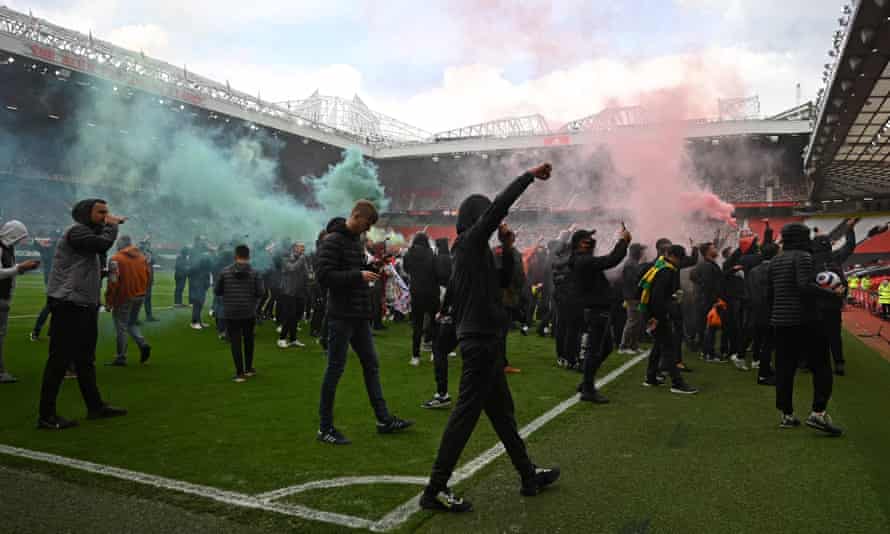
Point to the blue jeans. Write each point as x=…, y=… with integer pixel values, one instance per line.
x=125, y=317
x=342, y=334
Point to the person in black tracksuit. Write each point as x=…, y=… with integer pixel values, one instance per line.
x=240, y=288
x=180, y=275
x=420, y=264
x=445, y=341
x=560, y=273
x=481, y=320
x=708, y=280
x=826, y=259
x=344, y=272
x=759, y=315
x=800, y=335
x=590, y=306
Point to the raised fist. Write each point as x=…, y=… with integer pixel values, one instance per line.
x=542, y=172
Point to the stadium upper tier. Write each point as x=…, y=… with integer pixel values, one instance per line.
x=62, y=52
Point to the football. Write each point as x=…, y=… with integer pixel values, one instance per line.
x=828, y=279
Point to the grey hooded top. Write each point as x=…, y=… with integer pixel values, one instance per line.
x=11, y=234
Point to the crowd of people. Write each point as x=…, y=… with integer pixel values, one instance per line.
x=770, y=299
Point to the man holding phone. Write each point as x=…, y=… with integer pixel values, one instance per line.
x=73, y=298
x=11, y=234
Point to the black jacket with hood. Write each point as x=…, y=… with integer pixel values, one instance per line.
x=590, y=288
x=77, y=266
x=341, y=260
x=826, y=259
x=443, y=261
x=793, y=292
x=477, y=296
x=420, y=264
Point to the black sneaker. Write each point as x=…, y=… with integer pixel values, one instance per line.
x=250, y=373
x=394, y=425
x=438, y=401
x=144, y=354
x=766, y=380
x=651, y=384
x=824, y=423
x=55, y=423
x=106, y=412
x=445, y=501
x=117, y=362
x=332, y=436
x=839, y=369
x=683, y=389
x=594, y=396
x=544, y=477
x=789, y=420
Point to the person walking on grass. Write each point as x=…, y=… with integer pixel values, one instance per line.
x=128, y=280
x=420, y=263
x=73, y=299
x=11, y=234
x=46, y=249
x=293, y=295
x=200, y=269
x=180, y=276
x=344, y=272
x=481, y=319
x=240, y=288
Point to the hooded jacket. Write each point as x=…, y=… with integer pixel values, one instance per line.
x=757, y=294
x=792, y=281
x=590, y=288
x=128, y=276
x=181, y=270
x=341, y=260
x=241, y=289
x=474, y=278
x=11, y=234
x=420, y=264
x=77, y=265
x=826, y=259
x=295, y=276
x=443, y=261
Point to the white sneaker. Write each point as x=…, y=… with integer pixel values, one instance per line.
x=432, y=358
x=278, y=329
x=296, y=343
x=546, y=330
x=197, y=326
x=283, y=344
x=755, y=364
x=452, y=355
x=739, y=363
x=415, y=362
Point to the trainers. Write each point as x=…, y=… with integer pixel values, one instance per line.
x=239, y=379
x=34, y=336
x=332, y=436
x=523, y=330
x=683, y=389
x=394, y=425
x=438, y=401
x=445, y=501
x=766, y=380
x=55, y=423
x=789, y=420
x=651, y=384
x=279, y=329
x=205, y=325
x=6, y=378
x=543, y=477
x=283, y=344
x=432, y=357
x=117, y=362
x=106, y=412
x=196, y=326
x=562, y=363
x=415, y=361
x=546, y=330
x=739, y=362
x=823, y=422
x=510, y=370
x=250, y=373
x=683, y=369
x=594, y=396
x=426, y=347
x=755, y=364
x=144, y=353
x=296, y=343
x=452, y=354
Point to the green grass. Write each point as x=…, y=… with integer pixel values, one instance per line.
x=648, y=462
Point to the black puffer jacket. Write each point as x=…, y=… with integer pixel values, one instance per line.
x=341, y=260
x=240, y=288
x=421, y=268
x=793, y=289
x=757, y=294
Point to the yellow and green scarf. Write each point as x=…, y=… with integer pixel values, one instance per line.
x=646, y=281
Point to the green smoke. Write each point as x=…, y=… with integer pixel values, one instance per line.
x=352, y=179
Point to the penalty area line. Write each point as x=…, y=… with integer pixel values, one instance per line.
x=410, y=507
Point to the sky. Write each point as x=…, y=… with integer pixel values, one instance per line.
x=444, y=64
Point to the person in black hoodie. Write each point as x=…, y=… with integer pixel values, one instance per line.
x=590, y=306
x=73, y=298
x=826, y=259
x=240, y=287
x=481, y=319
x=200, y=270
x=424, y=286
x=795, y=315
x=180, y=276
x=707, y=277
x=758, y=314
x=344, y=272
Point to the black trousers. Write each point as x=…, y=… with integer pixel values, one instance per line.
x=423, y=320
x=445, y=343
x=179, y=289
x=197, y=308
x=599, y=345
x=290, y=311
x=807, y=343
x=242, y=330
x=663, y=357
x=73, y=332
x=317, y=305
x=483, y=386
x=831, y=320
x=732, y=328
x=559, y=326
x=764, y=343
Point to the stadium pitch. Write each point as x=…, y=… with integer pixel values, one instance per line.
x=648, y=462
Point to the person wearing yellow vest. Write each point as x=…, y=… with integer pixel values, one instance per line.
x=853, y=287
x=865, y=286
x=884, y=298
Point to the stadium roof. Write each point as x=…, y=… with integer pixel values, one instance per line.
x=849, y=151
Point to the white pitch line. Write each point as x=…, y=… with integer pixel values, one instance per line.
x=208, y=492
x=412, y=506
x=339, y=483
